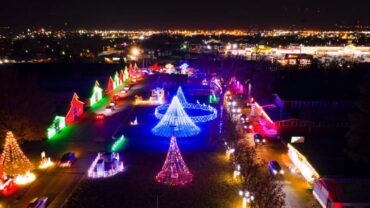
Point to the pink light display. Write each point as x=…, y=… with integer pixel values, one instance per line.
x=174, y=171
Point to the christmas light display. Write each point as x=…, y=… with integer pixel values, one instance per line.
x=213, y=98
x=117, y=81
x=130, y=70
x=58, y=124
x=1, y=168
x=75, y=111
x=180, y=95
x=117, y=145
x=174, y=171
x=4, y=184
x=175, y=116
x=110, y=86
x=134, y=123
x=157, y=98
x=97, y=94
x=211, y=111
x=127, y=75
x=105, y=165
x=23, y=179
x=303, y=165
x=14, y=162
x=121, y=77
x=45, y=161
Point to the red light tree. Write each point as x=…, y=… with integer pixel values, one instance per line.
x=174, y=171
x=110, y=86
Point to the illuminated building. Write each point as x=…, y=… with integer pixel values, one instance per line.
x=58, y=124
x=105, y=165
x=303, y=165
x=110, y=86
x=97, y=94
x=75, y=111
x=341, y=193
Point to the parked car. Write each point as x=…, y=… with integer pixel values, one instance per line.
x=67, y=159
x=247, y=125
x=109, y=108
x=258, y=139
x=99, y=116
x=275, y=168
x=38, y=202
x=243, y=118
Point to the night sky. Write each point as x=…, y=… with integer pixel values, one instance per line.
x=138, y=14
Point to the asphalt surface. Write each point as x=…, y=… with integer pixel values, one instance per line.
x=295, y=186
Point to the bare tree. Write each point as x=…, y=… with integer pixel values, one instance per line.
x=268, y=191
x=359, y=136
x=246, y=157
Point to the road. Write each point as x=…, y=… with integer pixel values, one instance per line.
x=295, y=186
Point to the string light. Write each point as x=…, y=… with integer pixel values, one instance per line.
x=174, y=171
x=97, y=94
x=212, y=112
x=117, y=145
x=58, y=124
x=14, y=161
x=176, y=116
x=98, y=167
x=157, y=98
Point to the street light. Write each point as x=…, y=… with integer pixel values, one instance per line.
x=236, y=171
x=135, y=51
x=247, y=197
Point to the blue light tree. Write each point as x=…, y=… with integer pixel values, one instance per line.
x=176, y=122
x=180, y=95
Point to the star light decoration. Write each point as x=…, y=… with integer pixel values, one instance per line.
x=174, y=171
x=176, y=116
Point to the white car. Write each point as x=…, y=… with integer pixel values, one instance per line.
x=38, y=202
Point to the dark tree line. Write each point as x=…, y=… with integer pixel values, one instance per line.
x=359, y=134
x=25, y=109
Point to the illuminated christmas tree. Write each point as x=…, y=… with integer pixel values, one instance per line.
x=180, y=95
x=174, y=171
x=14, y=161
x=176, y=116
x=1, y=168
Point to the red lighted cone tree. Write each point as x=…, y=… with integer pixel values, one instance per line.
x=174, y=171
x=14, y=161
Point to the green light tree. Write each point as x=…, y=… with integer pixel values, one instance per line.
x=359, y=135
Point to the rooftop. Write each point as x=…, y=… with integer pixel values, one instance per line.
x=348, y=190
x=327, y=155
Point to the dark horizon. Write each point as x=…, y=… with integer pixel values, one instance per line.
x=191, y=14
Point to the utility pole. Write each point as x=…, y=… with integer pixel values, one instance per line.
x=157, y=201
